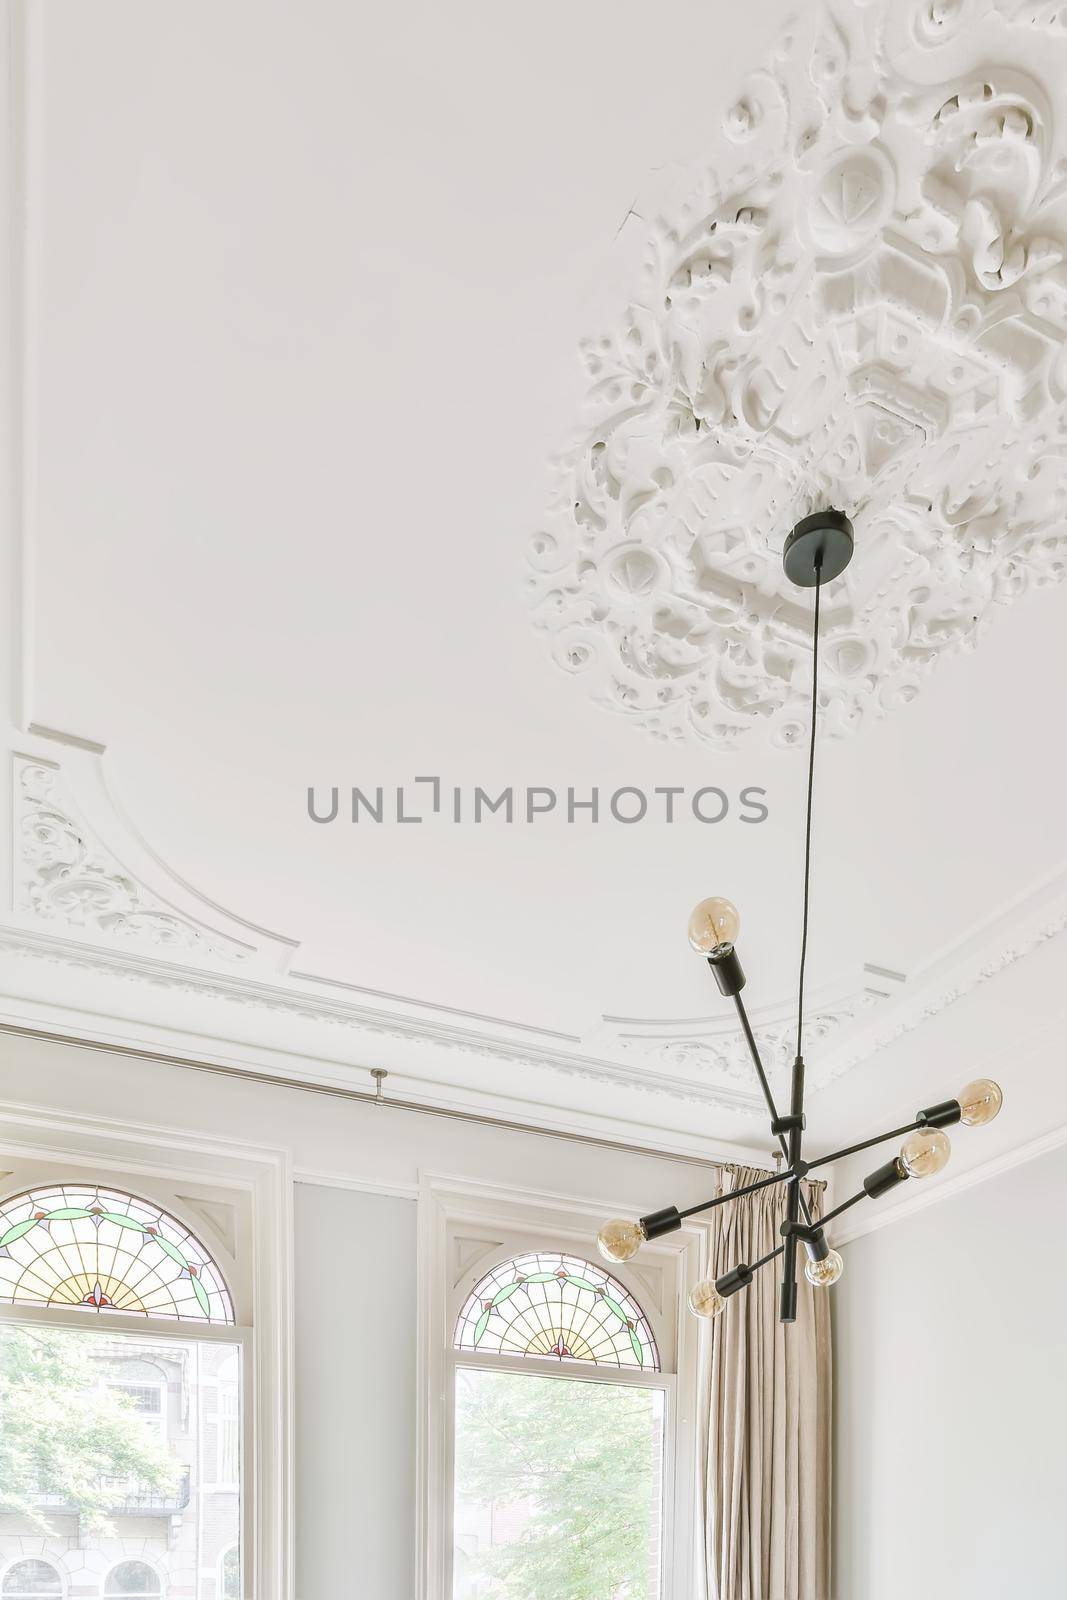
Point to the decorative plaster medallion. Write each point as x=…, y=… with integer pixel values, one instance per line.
x=864, y=304
x=64, y=877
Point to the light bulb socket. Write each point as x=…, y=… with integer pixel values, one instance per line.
x=724, y=963
x=659, y=1222
x=944, y=1115
x=787, y=1302
x=816, y=1246
x=737, y=1278
x=886, y=1178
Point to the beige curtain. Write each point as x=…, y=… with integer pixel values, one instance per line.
x=767, y=1398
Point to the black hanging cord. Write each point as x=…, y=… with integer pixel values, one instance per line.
x=811, y=785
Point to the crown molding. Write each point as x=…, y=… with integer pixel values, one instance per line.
x=82, y=904
x=1006, y=938
x=715, y=1046
x=321, y=1009
x=1035, y=916
x=935, y=1194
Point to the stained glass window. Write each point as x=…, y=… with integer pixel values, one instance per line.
x=106, y=1250
x=556, y=1306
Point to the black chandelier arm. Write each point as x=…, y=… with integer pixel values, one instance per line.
x=846, y=1205
x=772, y=1255
x=811, y=1234
x=943, y=1115
x=865, y=1144
x=739, y=1277
x=738, y=1194
x=753, y=1050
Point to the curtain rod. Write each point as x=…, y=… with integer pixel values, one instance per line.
x=367, y=1097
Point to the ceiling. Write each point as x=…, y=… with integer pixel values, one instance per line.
x=355, y=443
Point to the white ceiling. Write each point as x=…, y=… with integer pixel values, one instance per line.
x=300, y=299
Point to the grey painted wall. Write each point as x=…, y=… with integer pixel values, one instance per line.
x=951, y=1397
x=354, y=1395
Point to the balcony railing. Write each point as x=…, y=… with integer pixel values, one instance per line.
x=126, y=1498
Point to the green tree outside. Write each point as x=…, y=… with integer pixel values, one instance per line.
x=63, y=1433
x=584, y=1458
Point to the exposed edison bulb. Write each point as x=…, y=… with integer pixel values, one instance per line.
x=820, y=1274
x=925, y=1152
x=980, y=1102
x=619, y=1240
x=712, y=923
x=705, y=1300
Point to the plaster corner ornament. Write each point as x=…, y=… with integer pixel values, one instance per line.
x=66, y=878
x=717, y=1052
x=863, y=305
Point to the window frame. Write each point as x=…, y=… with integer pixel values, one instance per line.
x=109, y=1324
x=554, y=1368
x=178, y=1171
x=509, y=1224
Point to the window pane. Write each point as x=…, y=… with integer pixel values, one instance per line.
x=558, y=1488
x=34, y=1578
x=132, y=1578
x=86, y=1485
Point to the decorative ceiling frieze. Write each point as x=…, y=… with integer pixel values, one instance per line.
x=715, y=1048
x=863, y=303
x=67, y=880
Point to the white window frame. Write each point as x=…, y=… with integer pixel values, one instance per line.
x=511, y=1223
x=37, y=1148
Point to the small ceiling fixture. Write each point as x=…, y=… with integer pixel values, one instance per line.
x=817, y=551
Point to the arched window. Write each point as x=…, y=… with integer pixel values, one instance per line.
x=229, y=1583
x=38, y=1579
x=132, y=1580
x=554, y=1305
x=106, y=1250
x=559, y=1417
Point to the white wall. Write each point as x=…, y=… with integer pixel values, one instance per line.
x=334, y=1139
x=951, y=1397
x=355, y=1394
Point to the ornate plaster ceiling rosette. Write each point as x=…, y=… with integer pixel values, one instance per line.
x=862, y=303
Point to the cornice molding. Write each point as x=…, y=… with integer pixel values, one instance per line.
x=321, y=1009
x=997, y=943
x=80, y=907
x=716, y=1047
x=860, y=1223
x=862, y=302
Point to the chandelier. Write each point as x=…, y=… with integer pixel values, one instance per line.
x=817, y=551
